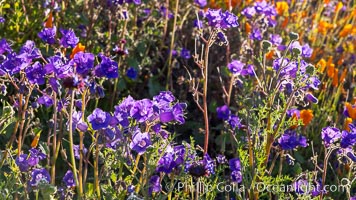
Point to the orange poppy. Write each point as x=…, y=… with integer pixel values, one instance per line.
x=335, y=82
x=77, y=49
x=306, y=116
x=282, y=7
x=49, y=21
x=351, y=110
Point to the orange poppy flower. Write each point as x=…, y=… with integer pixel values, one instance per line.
x=351, y=110
x=335, y=82
x=346, y=30
x=343, y=75
x=269, y=55
x=282, y=7
x=331, y=70
x=306, y=116
x=247, y=27
x=77, y=49
x=49, y=21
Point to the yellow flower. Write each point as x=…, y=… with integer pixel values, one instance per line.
x=321, y=64
x=306, y=116
x=347, y=122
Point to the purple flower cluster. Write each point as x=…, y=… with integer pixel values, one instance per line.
x=239, y=68
x=330, y=135
x=172, y=159
x=235, y=167
x=224, y=113
x=25, y=161
x=219, y=19
x=291, y=140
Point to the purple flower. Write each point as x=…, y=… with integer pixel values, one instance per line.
x=68, y=38
x=14, y=63
x=307, y=51
x=249, y=12
x=35, y=73
x=236, y=67
x=38, y=176
x=348, y=139
x=310, y=97
x=201, y=3
x=234, y=121
x=290, y=140
x=68, y=179
x=235, y=164
x=78, y=122
x=83, y=62
x=330, y=135
x=276, y=39
x=218, y=19
x=209, y=164
x=235, y=167
x=29, y=50
x=214, y=17
x=256, y=34
x=4, y=46
x=260, y=6
x=99, y=119
x=22, y=162
x=198, y=24
x=154, y=185
x=163, y=11
x=107, y=68
x=229, y=20
x=122, y=111
x=35, y=157
x=48, y=35
x=166, y=163
x=76, y=149
x=131, y=73
x=45, y=100
x=236, y=176
x=301, y=186
x=221, y=159
x=185, y=53
x=57, y=65
x=140, y=141
x=2, y=19
x=142, y=110
x=223, y=112
x=248, y=71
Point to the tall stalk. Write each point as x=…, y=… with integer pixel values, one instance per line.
x=169, y=73
x=71, y=149
x=205, y=93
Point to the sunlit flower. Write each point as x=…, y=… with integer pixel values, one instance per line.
x=306, y=116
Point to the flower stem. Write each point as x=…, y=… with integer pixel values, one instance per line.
x=169, y=73
x=71, y=149
x=205, y=93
